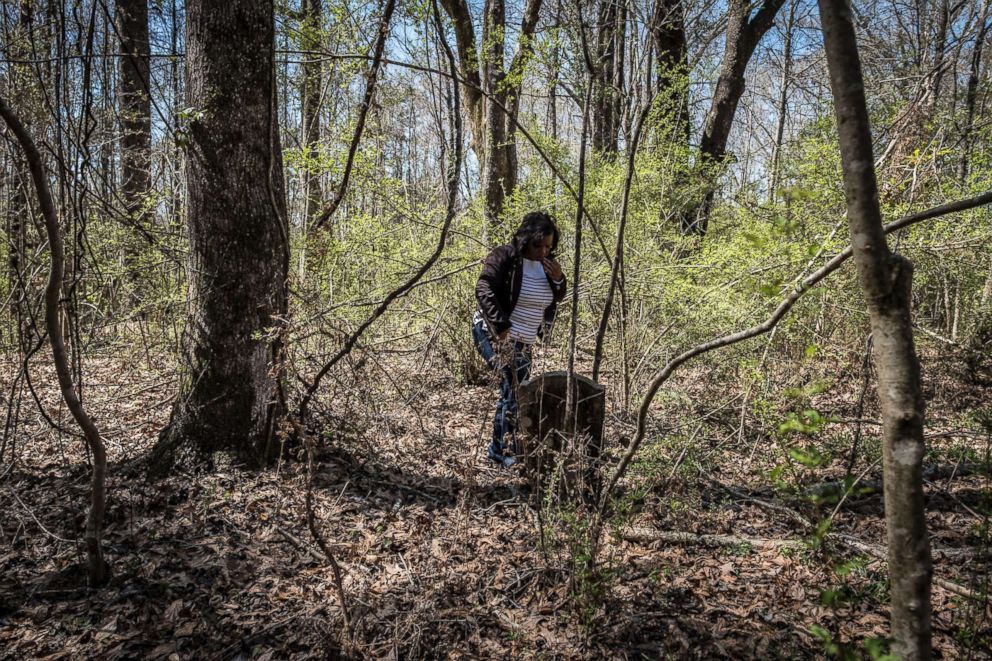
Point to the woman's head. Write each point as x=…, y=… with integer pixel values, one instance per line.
x=537, y=236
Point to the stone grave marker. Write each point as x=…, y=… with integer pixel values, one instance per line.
x=542, y=427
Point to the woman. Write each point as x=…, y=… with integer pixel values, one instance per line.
x=518, y=293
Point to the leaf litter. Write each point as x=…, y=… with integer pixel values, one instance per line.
x=442, y=554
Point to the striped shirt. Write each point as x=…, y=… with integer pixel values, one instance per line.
x=535, y=297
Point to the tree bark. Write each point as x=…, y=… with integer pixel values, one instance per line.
x=135, y=104
x=468, y=70
x=672, y=65
x=886, y=280
x=494, y=165
x=743, y=36
x=487, y=76
x=19, y=212
x=971, y=94
x=783, y=100
x=239, y=250
x=310, y=98
x=608, y=77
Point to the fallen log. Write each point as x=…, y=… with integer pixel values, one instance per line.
x=648, y=535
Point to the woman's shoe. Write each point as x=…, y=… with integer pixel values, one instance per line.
x=504, y=460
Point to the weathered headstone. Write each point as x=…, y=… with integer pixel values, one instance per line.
x=542, y=427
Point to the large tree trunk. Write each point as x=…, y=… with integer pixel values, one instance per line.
x=886, y=280
x=135, y=103
x=743, y=36
x=228, y=398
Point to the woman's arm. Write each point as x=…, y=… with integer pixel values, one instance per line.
x=488, y=290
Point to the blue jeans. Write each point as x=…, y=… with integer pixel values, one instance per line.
x=513, y=370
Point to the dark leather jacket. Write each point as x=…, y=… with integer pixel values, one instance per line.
x=499, y=287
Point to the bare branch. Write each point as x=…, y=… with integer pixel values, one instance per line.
x=783, y=308
x=453, y=175
x=363, y=111
x=94, y=519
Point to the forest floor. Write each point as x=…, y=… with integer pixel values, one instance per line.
x=444, y=556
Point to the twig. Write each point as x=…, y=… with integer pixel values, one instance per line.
x=319, y=538
x=295, y=541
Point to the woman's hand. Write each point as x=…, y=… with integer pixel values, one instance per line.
x=552, y=268
x=502, y=337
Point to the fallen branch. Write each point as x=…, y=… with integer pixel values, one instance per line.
x=872, y=487
x=642, y=535
x=648, y=535
x=858, y=545
x=299, y=546
x=881, y=554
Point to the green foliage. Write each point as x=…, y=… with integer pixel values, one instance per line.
x=875, y=649
x=856, y=583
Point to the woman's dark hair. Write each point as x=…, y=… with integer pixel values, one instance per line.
x=535, y=226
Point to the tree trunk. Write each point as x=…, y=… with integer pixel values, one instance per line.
x=971, y=95
x=488, y=77
x=310, y=98
x=175, y=80
x=22, y=86
x=783, y=100
x=606, y=91
x=17, y=214
x=743, y=36
x=669, y=41
x=886, y=279
x=135, y=103
x=228, y=397
x=494, y=165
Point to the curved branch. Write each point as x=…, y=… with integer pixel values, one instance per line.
x=371, y=77
x=453, y=175
x=783, y=308
x=94, y=519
